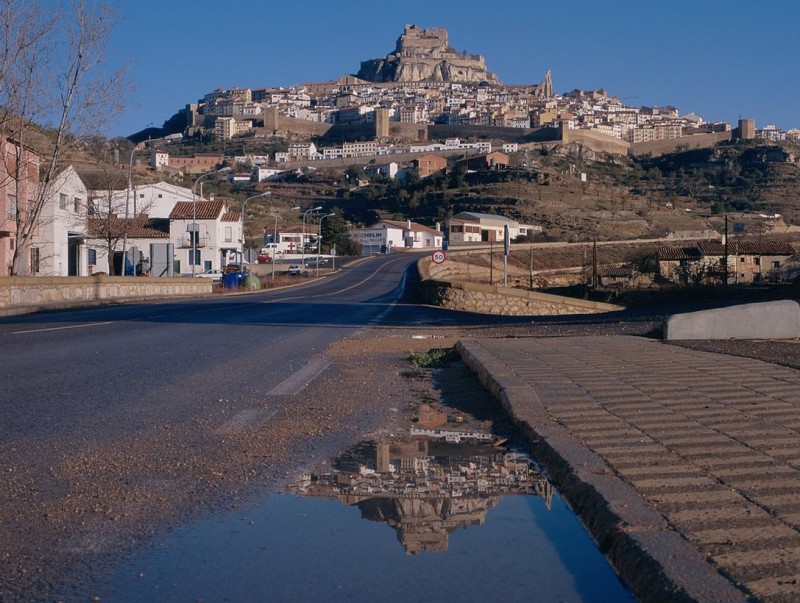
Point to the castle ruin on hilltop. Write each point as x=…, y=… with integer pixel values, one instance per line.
x=424, y=55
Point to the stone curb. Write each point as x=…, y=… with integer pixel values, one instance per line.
x=655, y=562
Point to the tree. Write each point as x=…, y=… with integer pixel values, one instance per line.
x=335, y=233
x=55, y=91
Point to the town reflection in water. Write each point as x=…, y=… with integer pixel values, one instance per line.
x=427, y=483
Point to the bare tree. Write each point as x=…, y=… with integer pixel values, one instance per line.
x=55, y=90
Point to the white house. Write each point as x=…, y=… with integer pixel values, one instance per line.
x=389, y=170
x=60, y=237
x=473, y=227
x=107, y=236
x=387, y=235
x=205, y=235
x=156, y=200
x=262, y=173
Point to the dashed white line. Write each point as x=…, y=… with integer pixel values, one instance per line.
x=90, y=324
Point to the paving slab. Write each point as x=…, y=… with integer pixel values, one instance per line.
x=683, y=464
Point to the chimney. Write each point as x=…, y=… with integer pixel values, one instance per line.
x=408, y=224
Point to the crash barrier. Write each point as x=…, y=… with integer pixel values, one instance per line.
x=765, y=320
x=20, y=294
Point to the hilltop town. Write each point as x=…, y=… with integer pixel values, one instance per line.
x=425, y=84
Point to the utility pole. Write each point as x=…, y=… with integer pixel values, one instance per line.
x=725, y=259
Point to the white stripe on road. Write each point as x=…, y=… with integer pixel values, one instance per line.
x=294, y=384
x=90, y=324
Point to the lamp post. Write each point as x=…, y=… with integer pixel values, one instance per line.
x=264, y=194
x=127, y=206
x=275, y=243
x=194, y=212
x=303, y=236
x=319, y=239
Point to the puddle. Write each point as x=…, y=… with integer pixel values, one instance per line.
x=433, y=515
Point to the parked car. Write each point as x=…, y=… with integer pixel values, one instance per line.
x=312, y=262
x=214, y=275
x=293, y=270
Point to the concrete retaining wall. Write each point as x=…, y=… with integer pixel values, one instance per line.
x=767, y=320
x=25, y=294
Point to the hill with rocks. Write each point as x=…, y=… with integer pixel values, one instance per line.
x=424, y=55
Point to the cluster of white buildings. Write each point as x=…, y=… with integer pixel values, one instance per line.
x=353, y=101
x=308, y=151
x=83, y=230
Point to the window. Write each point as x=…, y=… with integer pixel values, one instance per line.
x=757, y=261
x=76, y=204
x=776, y=264
x=34, y=260
x=92, y=255
x=62, y=201
x=194, y=257
x=207, y=265
x=11, y=207
x=228, y=234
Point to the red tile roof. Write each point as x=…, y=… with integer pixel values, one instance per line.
x=231, y=216
x=204, y=210
x=674, y=254
x=140, y=227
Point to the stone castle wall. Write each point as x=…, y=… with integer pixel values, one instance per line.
x=596, y=141
x=671, y=145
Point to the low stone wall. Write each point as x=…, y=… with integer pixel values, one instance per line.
x=19, y=294
x=493, y=299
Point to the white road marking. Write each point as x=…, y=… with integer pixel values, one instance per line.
x=90, y=324
x=294, y=384
x=249, y=418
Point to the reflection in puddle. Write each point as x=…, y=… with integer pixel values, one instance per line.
x=427, y=483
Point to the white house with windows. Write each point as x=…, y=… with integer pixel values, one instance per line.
x=206, y=235
x=60, y=239
x=156, y=200
x=388, y=235
x=108, y=235
x=474, y=227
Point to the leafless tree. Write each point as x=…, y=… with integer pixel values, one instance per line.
x=55, y=90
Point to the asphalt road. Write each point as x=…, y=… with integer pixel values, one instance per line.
x=116, y=418
x=108, y=413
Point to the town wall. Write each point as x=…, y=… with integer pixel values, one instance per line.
x=19, y=294
x=671, y=145
x=520, y=135
x=596, y=141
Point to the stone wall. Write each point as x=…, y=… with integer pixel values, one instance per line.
x=26, y=294
x=671, y=145
x=495, y=299
x=596, y=141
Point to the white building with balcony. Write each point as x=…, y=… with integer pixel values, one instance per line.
x=205, y=234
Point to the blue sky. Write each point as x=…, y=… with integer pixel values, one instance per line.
x=721, y=59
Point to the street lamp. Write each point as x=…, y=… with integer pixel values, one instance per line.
x=303, y=241
x=194, y=212
x=127, y=206
x=319, y=238
x=264, y=194
x=275, y=243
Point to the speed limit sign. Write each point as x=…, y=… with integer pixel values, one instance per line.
x=438, y=257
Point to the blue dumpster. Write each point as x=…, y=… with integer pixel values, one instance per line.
x=230, y=280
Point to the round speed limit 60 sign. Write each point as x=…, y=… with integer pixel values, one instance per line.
x=438, y=257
